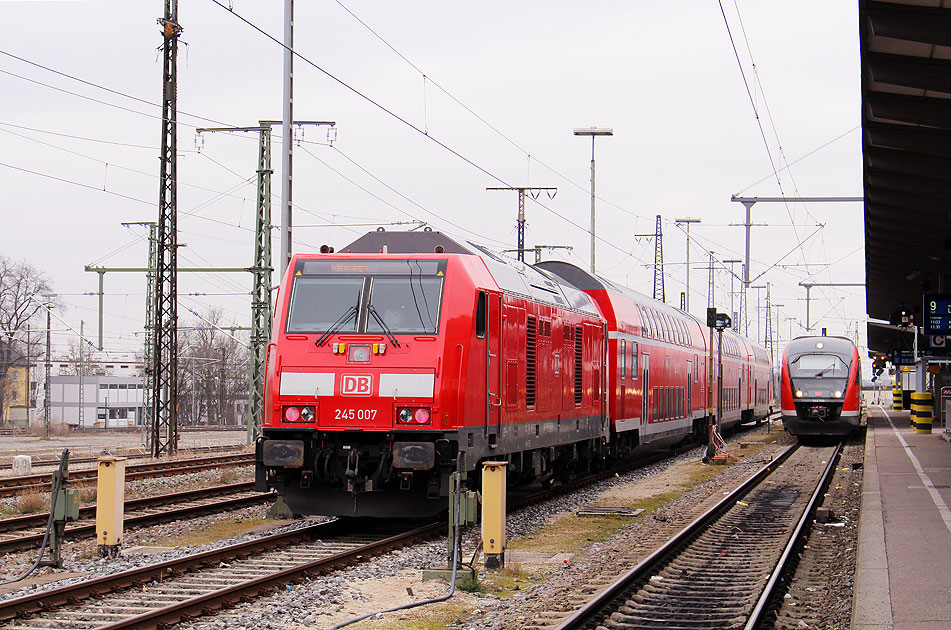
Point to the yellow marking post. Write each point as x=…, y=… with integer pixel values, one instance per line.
x=110, y=505
x=493, y=514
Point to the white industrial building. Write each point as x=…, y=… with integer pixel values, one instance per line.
x=108, y=401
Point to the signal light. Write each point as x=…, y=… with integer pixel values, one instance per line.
x=299, y=414
x=413, y=415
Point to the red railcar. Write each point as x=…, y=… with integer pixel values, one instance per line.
x=821, y=382
x=390, y=368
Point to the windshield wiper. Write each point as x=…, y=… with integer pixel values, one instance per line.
x=386, y=329
x=343, y=319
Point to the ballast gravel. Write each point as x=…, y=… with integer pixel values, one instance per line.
x=323, y=602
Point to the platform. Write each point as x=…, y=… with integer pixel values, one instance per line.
x=903, y=578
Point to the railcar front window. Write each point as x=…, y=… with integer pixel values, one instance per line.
x=317, y=303
x=405, y=304
x=818, y=366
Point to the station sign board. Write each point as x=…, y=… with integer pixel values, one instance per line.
x=903, y=357
x=937, y=310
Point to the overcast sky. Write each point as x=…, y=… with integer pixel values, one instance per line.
x=77, y=160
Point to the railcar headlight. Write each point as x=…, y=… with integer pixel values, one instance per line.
x=405, y=415
x=838, y=393
x=798, y=393
x=307, y=414
x=291, y=414
x=359, y=354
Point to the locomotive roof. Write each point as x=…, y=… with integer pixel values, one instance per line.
x=510, y=275
x=422, y=242
x=840, y=346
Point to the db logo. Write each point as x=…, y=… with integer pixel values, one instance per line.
x=356, y=385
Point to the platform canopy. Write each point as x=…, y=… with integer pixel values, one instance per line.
x=906, y=142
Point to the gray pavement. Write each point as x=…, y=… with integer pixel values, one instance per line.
x=903, y=578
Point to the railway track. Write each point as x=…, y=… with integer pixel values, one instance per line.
x=40, y=463
x=158, y=596
x=21, y=533
x=162, y=594
x=722, y=569
x=10, y=486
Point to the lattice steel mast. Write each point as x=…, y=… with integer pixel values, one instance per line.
x=534, y=191
x=659, y=262
x=261, y=292
x=164, y=439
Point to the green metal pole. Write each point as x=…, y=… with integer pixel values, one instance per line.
x=261, y=293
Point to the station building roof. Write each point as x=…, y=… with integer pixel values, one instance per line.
x=906, y=144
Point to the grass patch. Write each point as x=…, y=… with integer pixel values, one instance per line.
x=215, y=532
x=470, y=584
x=510, y=580
x=569, y=532
x=437, y=617
x=227, y=476
x=87, y=495
x=32, y=503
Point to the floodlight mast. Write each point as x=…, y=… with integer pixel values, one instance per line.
x=593, y=132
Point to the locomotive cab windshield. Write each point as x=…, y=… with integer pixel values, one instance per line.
x=373, y=297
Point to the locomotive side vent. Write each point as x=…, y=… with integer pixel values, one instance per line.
x=578, y=381
x=530, y=361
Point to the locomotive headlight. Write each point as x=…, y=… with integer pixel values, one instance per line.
x=307, y=414
x=837, y=394
x=291, y=414
x=422, y=416
x=798, y=393
x=405, y=415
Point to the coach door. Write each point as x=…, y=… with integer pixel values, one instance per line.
x=645, y=390
x=688, y=404
x=493, y=371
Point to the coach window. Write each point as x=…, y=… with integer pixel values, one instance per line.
x=623, y=359
x=645, y=322
x=480, y=316
x=633, y=360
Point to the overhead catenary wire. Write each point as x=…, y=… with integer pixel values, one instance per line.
x=429, y=80
x=401, y=119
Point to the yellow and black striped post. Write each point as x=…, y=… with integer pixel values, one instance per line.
x=896, y=395
x=921, y=412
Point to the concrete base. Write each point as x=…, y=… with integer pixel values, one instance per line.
x=445, y=574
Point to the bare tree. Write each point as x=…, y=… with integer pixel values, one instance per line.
x=21, y=287
x=86, y=367
x=213, y=372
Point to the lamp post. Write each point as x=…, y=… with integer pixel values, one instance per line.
x=593, y=132
x=687, y=222
x=758, y=287
x=732, y=262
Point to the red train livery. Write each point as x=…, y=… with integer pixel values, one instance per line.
x=390, y=367
x=821, y=383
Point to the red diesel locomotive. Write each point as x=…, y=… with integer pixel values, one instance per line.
x=821, y=382
x=390, y=367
